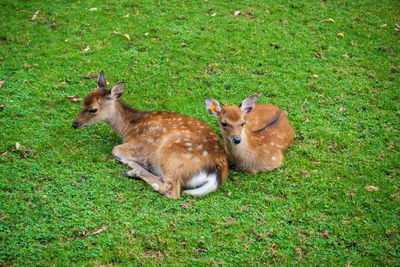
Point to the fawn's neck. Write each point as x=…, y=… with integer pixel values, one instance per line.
x=123, y=117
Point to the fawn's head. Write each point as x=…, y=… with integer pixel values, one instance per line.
x=98, y=104
x=231, y=118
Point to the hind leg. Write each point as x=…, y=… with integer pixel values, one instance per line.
x=126, y=155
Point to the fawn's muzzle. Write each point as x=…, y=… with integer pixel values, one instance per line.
x=75, y=125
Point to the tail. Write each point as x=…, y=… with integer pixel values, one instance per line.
x=205, y=182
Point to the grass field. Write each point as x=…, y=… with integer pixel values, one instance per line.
x=332, y=65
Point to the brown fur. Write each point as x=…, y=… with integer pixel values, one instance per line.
x=164, y=149
x=265, y=136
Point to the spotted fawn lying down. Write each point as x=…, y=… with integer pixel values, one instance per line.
x=255, y=135
x=166, y=150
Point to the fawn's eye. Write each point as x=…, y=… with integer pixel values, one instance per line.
x=93, y=110
x=242, y=124
x=224, y=124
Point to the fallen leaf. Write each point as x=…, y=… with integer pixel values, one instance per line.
x=137, y=13
x=343, y=109
x=93, y=9
x=90, y=76
x=320, y=55
x=183, y=44
x=126, y=16
x=324, y=235
x=100, y=230
x=73, y=98
x=213, y=14
x=146, y=34
x=330, y=20
x=371, y=188
x=298, y=251
x=127, y=36
x=26, y=66
x=229, y=194
x=315, y=76
x=267, y=11
x=305, y=174
x=86, y=49
x=2, y=106
x=66, y=40
x=4, y=154
x=115, y=32
x=58, y=84
x=316, y=163
x=1, y=83
x=17, y=145
x=383, y=26
x=346, y=55
x=237, y=13
x=273, y=246
x=35, y=15
x=348, y=264
x=341, y=34
x=186, y=204
x=133, y=233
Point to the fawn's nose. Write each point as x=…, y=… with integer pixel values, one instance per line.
x=75, y=125
x=236, y=140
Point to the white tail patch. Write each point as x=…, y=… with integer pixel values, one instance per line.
x=203, y=184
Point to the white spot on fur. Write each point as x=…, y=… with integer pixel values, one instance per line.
x=190, y=149
x=199, y=146
x=273, y=158
x=188, y=155
x=196, y=159
x=155, y=186
x=188, y=143
x=205, y=153
x=272, y=143
x=164, y=130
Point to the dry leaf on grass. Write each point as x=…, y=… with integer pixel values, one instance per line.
x=17, y=145
x=330, y=20
x=186, y=204
x=305, y=174
x=126, y=16
x=316, y=163
x=1, y=83
x=27, y=66
x=320, y=55
x=371, y=188
x=100, y=230
x=86, y=49
x=73, y=98
x=315, y=76
x=341, y=34
x=2, y=106
x=93, y=9
x=127, y=36
x=35, y=15
x=324, y=235
x=343, y=109
x=237, y=13
x=183, y=44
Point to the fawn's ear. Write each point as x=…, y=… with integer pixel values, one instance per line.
x=117, y=91
x=212, y=106
x=248, y=104
x=101, y=82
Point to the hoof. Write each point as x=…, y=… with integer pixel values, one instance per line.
x=130, y=175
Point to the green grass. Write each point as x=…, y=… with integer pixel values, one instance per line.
x=63, y=184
